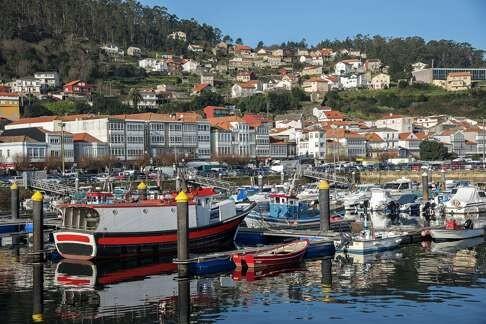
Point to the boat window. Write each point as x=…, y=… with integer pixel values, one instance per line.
x=482, y=194
x=391, y=185
x=404, y=186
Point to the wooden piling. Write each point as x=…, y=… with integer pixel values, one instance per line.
x=324, y=206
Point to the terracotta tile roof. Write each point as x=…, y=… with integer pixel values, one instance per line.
x=373, y=137
x=72, y=82
x=333, y=114
x=252, y=84
x=239, y=48
x=255, y=120
x=412, y=136
x=224, y=122
x=188, y=117
x=31, y=120
x=8, y=94
x=200, y=87
x=85, y=137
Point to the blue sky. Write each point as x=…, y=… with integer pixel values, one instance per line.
x=275, y=21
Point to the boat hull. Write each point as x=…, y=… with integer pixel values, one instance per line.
x=84, y=245
x=371, y=246
x=454, y=235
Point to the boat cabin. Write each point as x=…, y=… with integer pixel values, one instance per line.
x=99, y=198
x=398, y=185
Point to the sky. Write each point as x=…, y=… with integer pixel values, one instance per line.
x=276, y=21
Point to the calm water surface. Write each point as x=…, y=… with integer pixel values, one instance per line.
x=440, y=283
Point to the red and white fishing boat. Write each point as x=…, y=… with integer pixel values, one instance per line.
x=278, y=256
x=103, y=228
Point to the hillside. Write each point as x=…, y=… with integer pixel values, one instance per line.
x=417, y=100
x=64, y=35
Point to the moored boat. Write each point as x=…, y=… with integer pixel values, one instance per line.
x=278, y=256
x=454, y=232
x=120, y=229
x=466, y=200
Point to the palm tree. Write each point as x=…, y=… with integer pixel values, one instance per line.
x=134, y=97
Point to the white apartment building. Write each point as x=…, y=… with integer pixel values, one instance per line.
x=28, y=86
x=15, y=148
x=312, y=143
x=232, y=136
x=353, y=81
x=50, y=78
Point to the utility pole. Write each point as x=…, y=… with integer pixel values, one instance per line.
x=62, y=148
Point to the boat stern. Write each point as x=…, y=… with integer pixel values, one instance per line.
x=75, y=245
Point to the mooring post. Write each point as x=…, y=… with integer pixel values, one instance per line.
x=183, y=301
x=326, y=272
x=282, y=177
x=37, y=292
x=443, y=179
x=14, y=200
x=76, y=182
x=425, y=186
x=38, y=224
x=182, y=233
x=353, y=178
x=324, y=205
x=260, y=181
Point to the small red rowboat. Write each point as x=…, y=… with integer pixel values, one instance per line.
x=278, y=256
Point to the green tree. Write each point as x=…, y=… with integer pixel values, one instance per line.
x=239, y=41
x=64, y=107
x=432, y=150
x=207, y=98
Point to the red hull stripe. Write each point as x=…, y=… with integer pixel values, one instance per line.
x=149, y=270
x=73, y=238
x=165, y=238
x=67, y=280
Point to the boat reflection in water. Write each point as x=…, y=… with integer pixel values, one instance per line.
x=130, y=288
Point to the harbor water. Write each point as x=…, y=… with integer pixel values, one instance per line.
x=427, y=282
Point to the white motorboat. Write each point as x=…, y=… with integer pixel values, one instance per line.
x=398, y=186
x=467, y=200
x=379, y=199
x=455, y=234
x=367, y=243
x=355, y=198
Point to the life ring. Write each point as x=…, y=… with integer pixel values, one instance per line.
x=456, y=203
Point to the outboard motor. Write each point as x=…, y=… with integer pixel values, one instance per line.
x=426, y=212
x=468, y=224
x=393, y=209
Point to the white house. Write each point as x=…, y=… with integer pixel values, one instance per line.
x=345, y=67
x=50, y=78
x=380, y=81
x=134, y=51
x=21, y=147
x=153, y=65
x=399, y=123
x=232, y=136
x=180, y=35
x=28, y=86
x=190, y=66
x=246, y=89
x=353, y=81
x=312, y=143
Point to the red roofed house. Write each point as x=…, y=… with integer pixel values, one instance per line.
x=78, y=87
x=242, y=50
x=246, y=89
x=326, y=114
x=200, y=88
x=87, y=146
x=411, y=142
